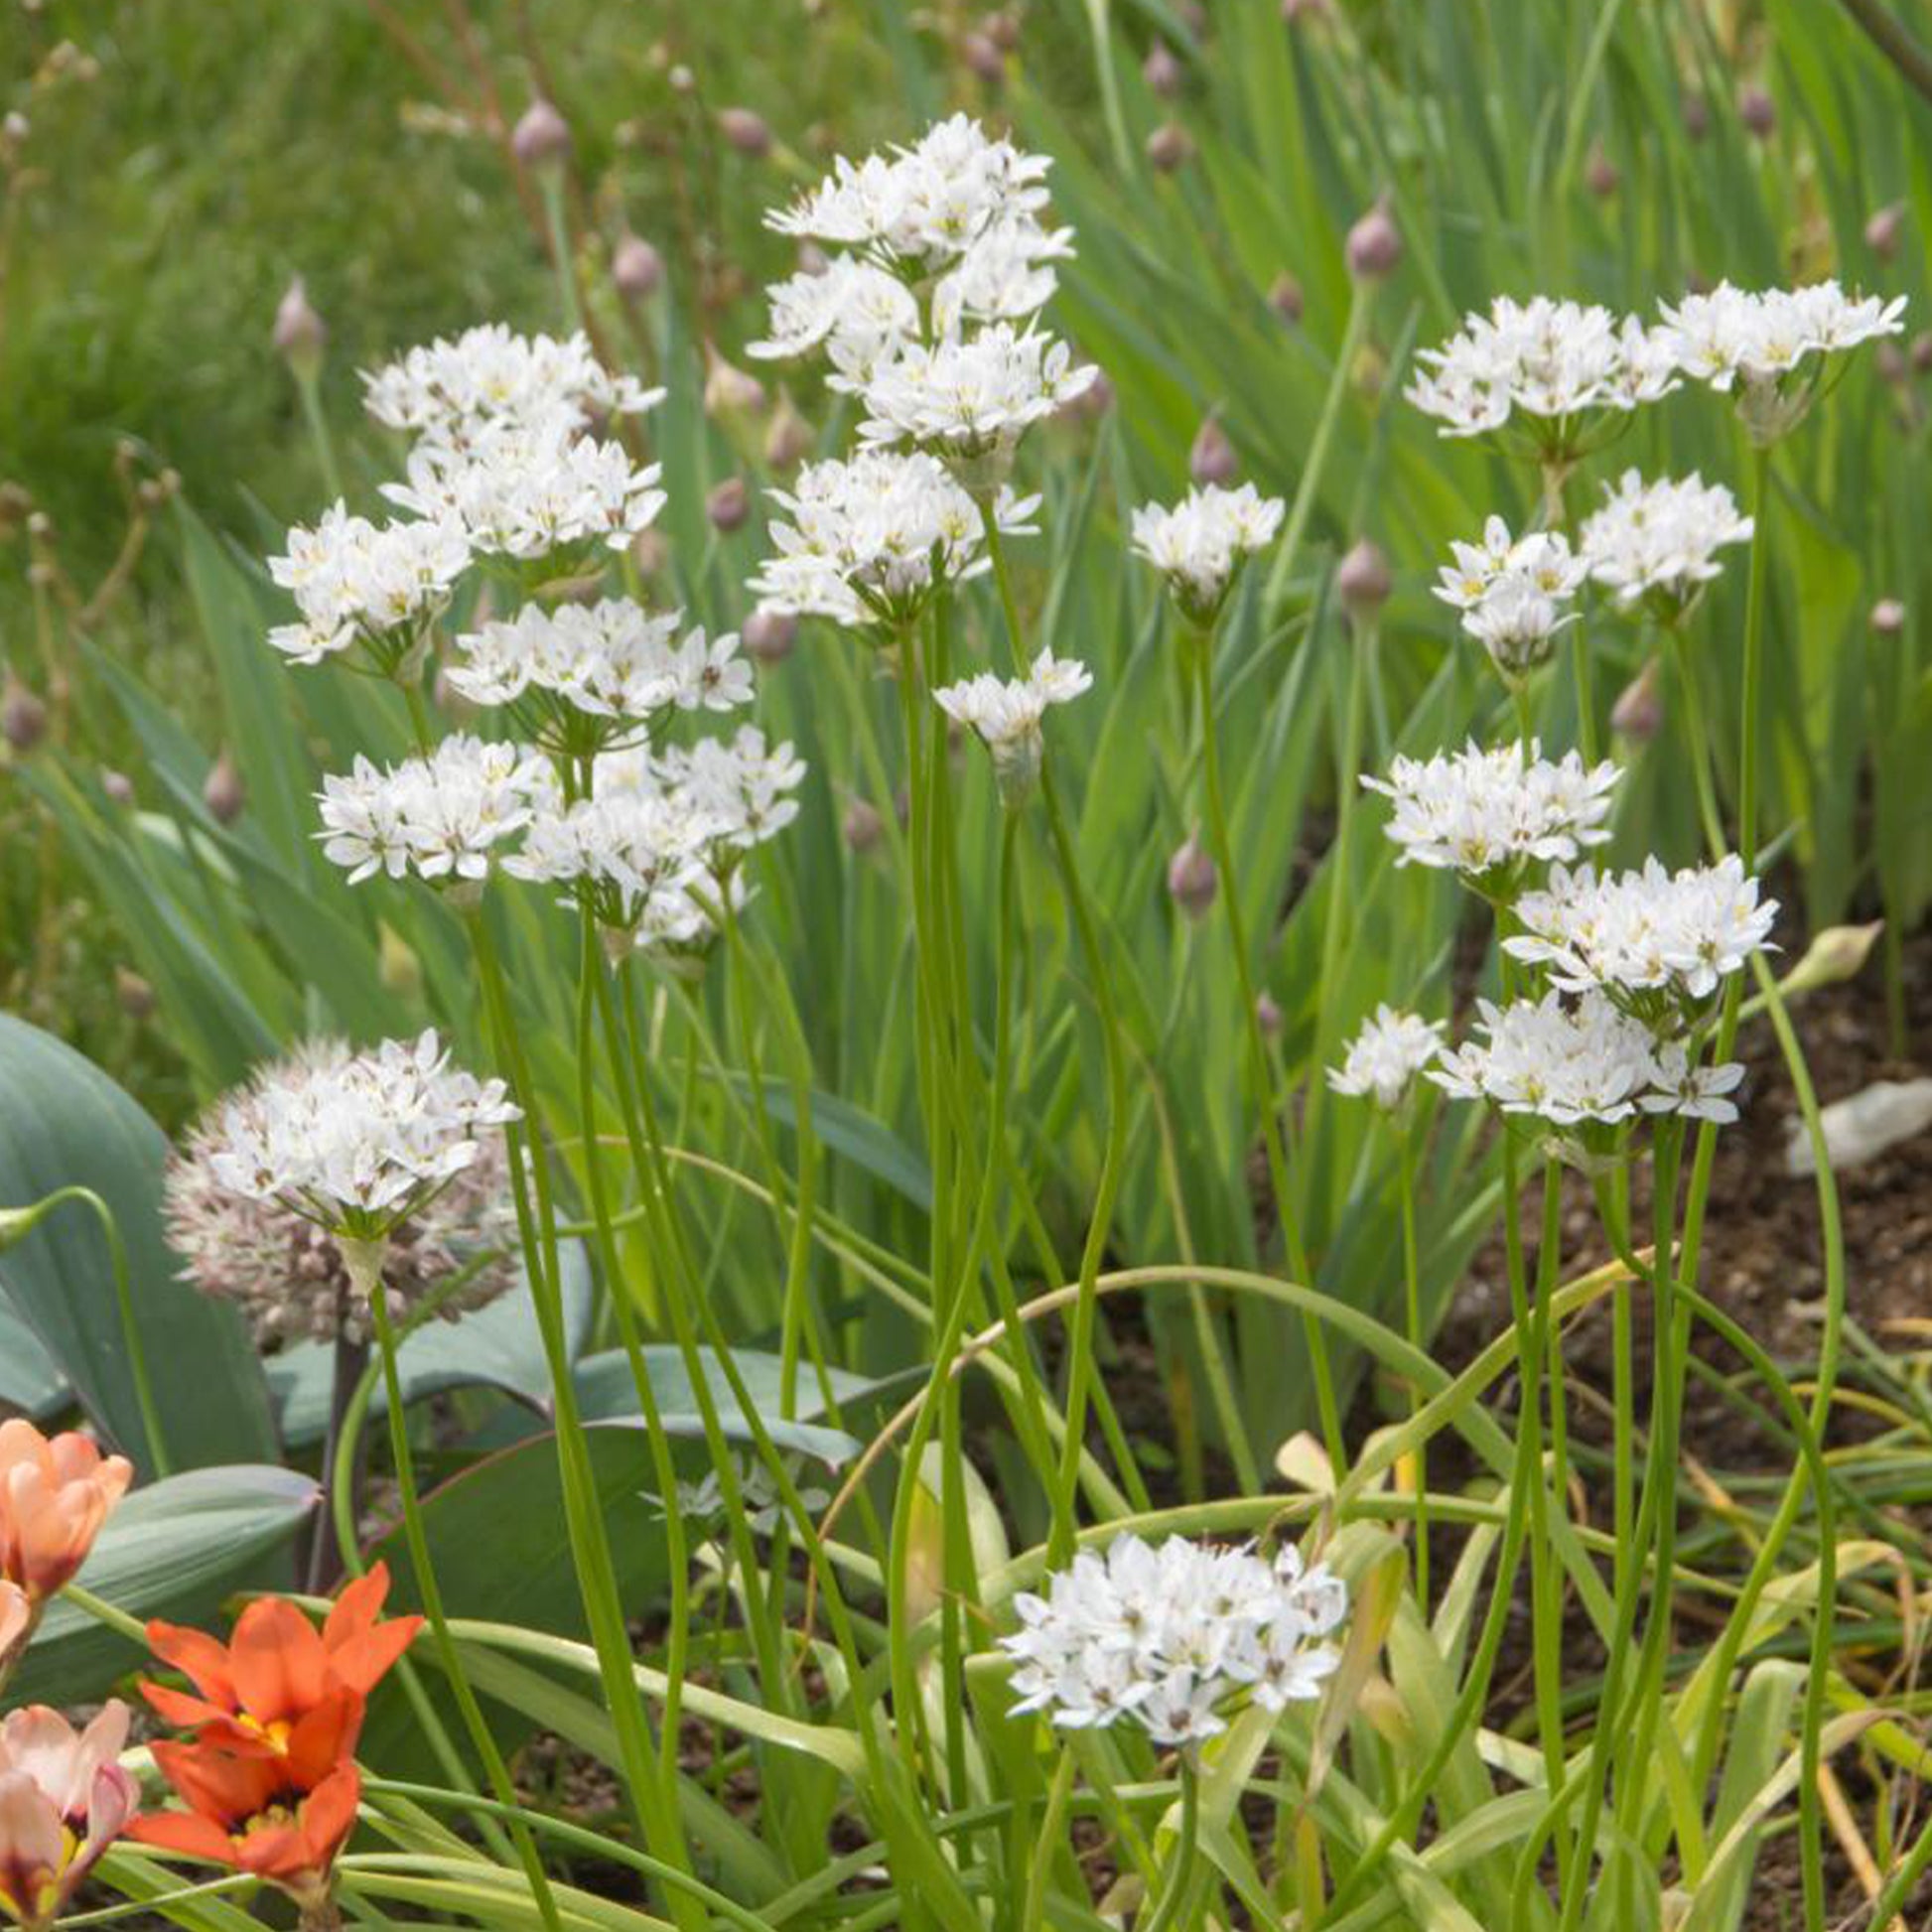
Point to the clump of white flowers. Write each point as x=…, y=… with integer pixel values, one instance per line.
x=1488, y=813
x=1175, y=1637
x=1007, y=713
x=1659, y=540
x=1554, y=367
x=357, y=583
x=1383, y=1060
x=636, y=854
x=1514, y=593
x=1200, y=543
x=357, y=1143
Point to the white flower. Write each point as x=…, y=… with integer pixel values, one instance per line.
x=860, y=310
x=1550, y=360
x=1694, y=1092
x=1007, y=712
x=1641, y=931
x=865, y=536
x=629, y=847
x=972, y=395
x=447, y=391
x=1660, y=537
x=1732, y=334
x=357, y=1143
x=1202, y=540
x=1384, y=1058
x=440, y=816
x=1476, y=812
x=1175, y=1637
x=353, y=580
x=742, y=785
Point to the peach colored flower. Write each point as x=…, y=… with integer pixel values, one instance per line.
x=54, y=1494
x=16, y=1618
x=63, y=1799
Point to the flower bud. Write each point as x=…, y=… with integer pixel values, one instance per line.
x=861, y=827
x=729, y=505
x=1882, y=231
x=23, y=717
x=14, y=130
x=1162, y=71
x=1893, y=365
x=769, y=636
x=1922, y=353
x=1001, y=29
x=1838, y=953
x=1695, y=112
x=1192, y=880
x=1638, y=713
x=728, y=389
x=222, y=790
x=1888, y=616
x=650, y=552
x=745, y=131
x=1212, y=459
x=1169, y=146
x=1268, y=1016
x=1284, y=298
x=982, y=58
x=1374, y=245
x=1600, y=173
x=298, y=334
x=542, y=137
x=133, y=994
x=788, y=438
x=1758, y=112
x=117, y=787
x=1362, y=582
x=637, y=268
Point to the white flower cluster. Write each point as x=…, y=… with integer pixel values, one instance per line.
x=355, y=580
x=357, y=1143
x=1754, y=336
x=1660, y=539
x=1200, y=543
x=595, y=672
x=1582, y=1063
x=866, y=535
x=1513, y=593
x=1007, y=713
x=1384, y=1058
x=440, y=816
x=1653, y=931
x=1477, y=812
x=743, y=784
x=1548, y=360
x=1175, y=1637
x=930, y=319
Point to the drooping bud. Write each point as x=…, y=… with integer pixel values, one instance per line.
x=300, y=335
x=1212, y=459
x=1838, y=953
x=1758, y=112
x=133, y=994
x=541, y=138
x=982, y=58
x=1884, y=230
x=1888, y=616
x=1284, y=298
x=1161, y=71
x=1168, y=147
x=23, y=717
x=117, y=787
x=861, y=827
x=1600, y=173
x=1363, y=582
x=1192, y=880
x=1922, y=353
x=1374, y=244
x=746, y=131
x=729, y=505
x=728, y=389
x=222, y=790
x=637, y=268
x=769, y=634
x=1638, y=713
x=1268, y=1016
x=788, y=437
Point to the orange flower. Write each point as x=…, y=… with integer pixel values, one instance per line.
x=63, y=1799
x=279, y=1689
x=244, y=1812
x=54, y=1494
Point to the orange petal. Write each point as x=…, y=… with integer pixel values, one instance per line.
x=323, y=1740
x=358, y=1608
x=182, y=1831
x=362, y=1661
x=280, y=1666
x=220, y=1785
x=198, y=1658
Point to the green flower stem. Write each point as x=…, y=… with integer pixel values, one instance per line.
x=1586, y=701
x=1165, y=1916
x=556, y=224
x=431, y=1593
x=1412, y=1334
x=1747, y=748
x=308, y=386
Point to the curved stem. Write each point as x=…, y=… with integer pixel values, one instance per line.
x=1180, y=1876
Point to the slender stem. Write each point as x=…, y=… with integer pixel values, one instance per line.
x=350, y=1358
x=1412, y=1334
x=1747, y=749
x=1180, y=1874
x=308, y=387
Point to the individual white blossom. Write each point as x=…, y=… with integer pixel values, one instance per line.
x=1384, y=1058
x=1007, y=713
x=861, y=538
x=1478, y=813
x=1547, y=361
x=1643, y=931
x=1201, y=542
x=859, y=312
x=1175, y=1637
x=1660, y=539
x=441, y=817
x=969, y=396
x=357, y=1143
x=356, y=582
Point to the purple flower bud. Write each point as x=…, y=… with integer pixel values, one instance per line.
x=1884, y=230
x=769, y=636
x=1922, y=353
x=1002, y=30
x=1169, y=146
x=1161, y=71
x=637, y=268
x=135, y=995
x=1758, y=112
x=118, y=788
x=745, y=131
x=23, y=717
x=1363, y=582
x=1638, y=713
x=1284, y=298
x=788, y=438
x=729, y=505
x=1267, y=1014
x=542, y=137
x=1374, y=245
x=982, y=58
x=1888, y=616
x=298, y=334
x=1192, y=880
x=1600, y=173
x=862, y=826
x=728, y=389
x=1212, y=458
x=222, y=790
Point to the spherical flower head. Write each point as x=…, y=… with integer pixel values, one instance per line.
x=1656, y=543
x=359, y=1143
x=1175, y=1638
x=1384, y=1058
x=1487, y=815
x=1200, y=543
x=63, y=1800
x=1513, y=593
x=286, y=1275
x=1007, y=713
x=55, y=1492
x=441, y=817
x=373, y=586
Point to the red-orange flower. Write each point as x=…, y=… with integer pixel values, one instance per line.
x=54, y=1494
x=245, y=1812
x=279, y=1689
